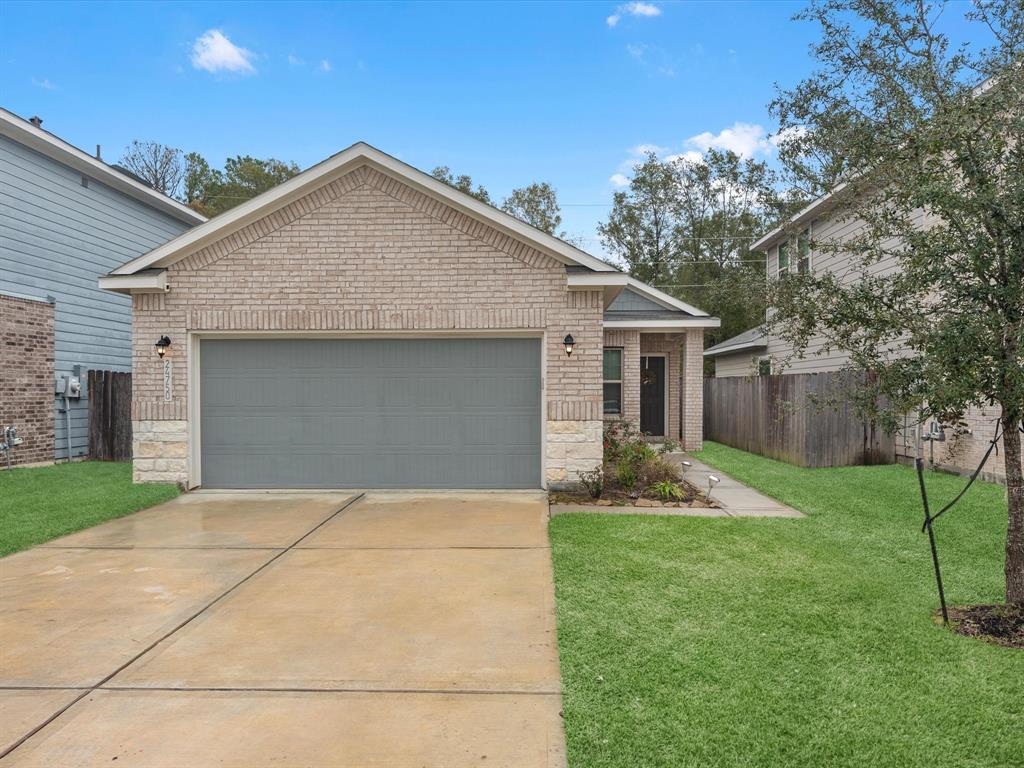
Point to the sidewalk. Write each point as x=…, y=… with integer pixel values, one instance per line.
x=735, y=498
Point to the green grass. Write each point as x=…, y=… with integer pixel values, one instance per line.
x=777, y=642
x=41, y=503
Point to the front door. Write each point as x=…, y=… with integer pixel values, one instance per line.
x=652, y=395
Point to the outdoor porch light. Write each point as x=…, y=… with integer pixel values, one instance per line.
x=161, y=346
x=569, y=343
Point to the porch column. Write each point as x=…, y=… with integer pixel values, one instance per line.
x=693, y=389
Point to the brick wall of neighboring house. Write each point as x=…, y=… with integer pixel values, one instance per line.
x=26, y=383
x=961, y=452
x=367, y=252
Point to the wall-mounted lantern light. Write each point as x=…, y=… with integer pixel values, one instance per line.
x=570, y=344
x=161, y=346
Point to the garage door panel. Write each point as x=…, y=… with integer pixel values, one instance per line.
x=370, y=413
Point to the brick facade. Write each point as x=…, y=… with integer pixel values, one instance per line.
x=629, y=343
x=368, y=253
x=27, y=380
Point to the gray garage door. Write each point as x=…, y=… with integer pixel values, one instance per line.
x=370, y=413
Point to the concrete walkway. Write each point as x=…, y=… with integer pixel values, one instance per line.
x=259, y=630
x=735, y=498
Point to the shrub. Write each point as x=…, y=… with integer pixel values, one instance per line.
x=658, y=470
x=666, y=490
x=636, y=454
x=669, y=446
x=625, y=474
x=593, y=481
x=618, y=435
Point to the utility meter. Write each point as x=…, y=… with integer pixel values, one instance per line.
x=70, y=387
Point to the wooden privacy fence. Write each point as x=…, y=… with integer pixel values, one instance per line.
x=776, y=416
x=110, y=415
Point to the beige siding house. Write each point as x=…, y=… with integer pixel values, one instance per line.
x=756, y=352
x=365, y=325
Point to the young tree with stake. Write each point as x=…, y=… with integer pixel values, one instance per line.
x=923, y=142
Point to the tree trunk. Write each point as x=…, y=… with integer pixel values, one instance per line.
x=1015, y=502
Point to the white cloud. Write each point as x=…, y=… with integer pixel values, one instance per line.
x=325, y=65
x=788, y=134
x=294, y=61
x=745, y=139
x=692, y=156
x=619, y=180
x=44, y=83
x=213, y=52
x=632, y=9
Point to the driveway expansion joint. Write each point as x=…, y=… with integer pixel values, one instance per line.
x=85, y=692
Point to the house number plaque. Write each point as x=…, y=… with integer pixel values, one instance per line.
x=168, y=382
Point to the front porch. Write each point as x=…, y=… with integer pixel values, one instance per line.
x=654, y=379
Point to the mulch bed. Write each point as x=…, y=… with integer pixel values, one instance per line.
x=614, y=497
x=1001, y=624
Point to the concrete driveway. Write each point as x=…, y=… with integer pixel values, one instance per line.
x=306, y=629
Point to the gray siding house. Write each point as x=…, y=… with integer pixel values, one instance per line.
x=66, y=217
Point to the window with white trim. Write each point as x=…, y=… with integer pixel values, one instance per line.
x=783, y=258
x=764, y=366
x=613, y=380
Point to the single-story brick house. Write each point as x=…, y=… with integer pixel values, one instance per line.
x=365, y=325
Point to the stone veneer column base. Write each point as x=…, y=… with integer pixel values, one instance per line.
x=160, y=451
x=572, y=447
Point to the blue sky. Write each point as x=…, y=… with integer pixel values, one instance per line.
x=507, y=92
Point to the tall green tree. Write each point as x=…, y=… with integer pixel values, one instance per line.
x=243, y=178
x=921, y=140
x=463, y=183
x=687, y=225
x=537, y=205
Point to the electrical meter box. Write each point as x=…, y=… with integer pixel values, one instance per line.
x=69, y=386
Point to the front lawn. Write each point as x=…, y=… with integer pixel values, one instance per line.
x=41, y=503
x=779, y=642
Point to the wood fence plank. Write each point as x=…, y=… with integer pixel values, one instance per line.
x=110, y=420
x=776, y=416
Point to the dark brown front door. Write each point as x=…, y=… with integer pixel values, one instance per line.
x=652, y=395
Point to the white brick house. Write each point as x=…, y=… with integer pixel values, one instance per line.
x=365, y=325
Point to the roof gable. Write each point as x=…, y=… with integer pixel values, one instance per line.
x=317, y=178
x=631, y=301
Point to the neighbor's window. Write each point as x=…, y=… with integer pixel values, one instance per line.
x=764, y=366
x=612, y=380
x=803, y=249
x=783, y=259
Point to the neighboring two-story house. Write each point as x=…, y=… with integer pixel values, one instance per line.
x=66, y=217
x=760, y=352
